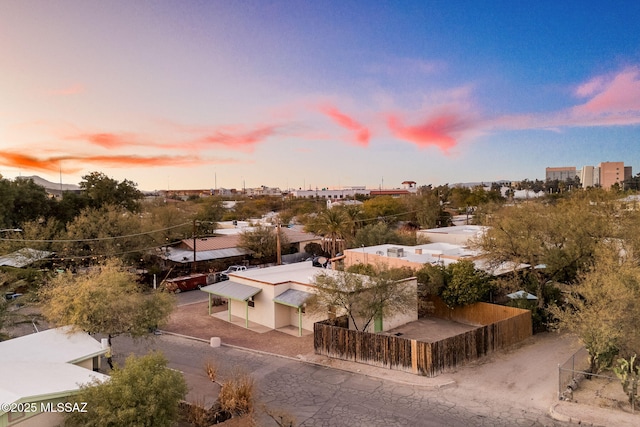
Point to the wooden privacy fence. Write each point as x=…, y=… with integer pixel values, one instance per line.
x=333, y=339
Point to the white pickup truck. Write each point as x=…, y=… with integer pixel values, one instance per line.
x=224, y=275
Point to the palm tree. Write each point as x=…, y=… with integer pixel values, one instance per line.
x=334, y=225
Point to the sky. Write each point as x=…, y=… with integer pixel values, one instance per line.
x=316, y=94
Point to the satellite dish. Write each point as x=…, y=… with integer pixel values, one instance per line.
x=322, y=260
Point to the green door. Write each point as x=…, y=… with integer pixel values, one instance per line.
x=377, y=324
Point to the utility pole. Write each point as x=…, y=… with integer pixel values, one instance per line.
x=193, y=269
x=278, y=249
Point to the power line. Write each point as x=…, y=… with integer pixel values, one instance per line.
x=95, y=239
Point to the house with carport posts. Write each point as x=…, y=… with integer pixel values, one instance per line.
x=275, y=298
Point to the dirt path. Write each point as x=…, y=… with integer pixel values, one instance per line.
x=525, y=376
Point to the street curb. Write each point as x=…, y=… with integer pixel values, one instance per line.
x=310, y=362
x=553, y=412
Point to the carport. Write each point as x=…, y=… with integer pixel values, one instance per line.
x=295, y=299
x=232, y=291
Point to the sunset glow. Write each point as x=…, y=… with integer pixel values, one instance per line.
x=292, y=94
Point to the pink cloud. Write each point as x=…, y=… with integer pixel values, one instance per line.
x=74, y=163
x=589, y=88
x=441, y=130
x=29, y=162
x=109, y=140
x=619, y=96
x=362, y=134
x=232, y=137
x=612, y=101
x=235, y=137
x=70, y=90
x=141, y=161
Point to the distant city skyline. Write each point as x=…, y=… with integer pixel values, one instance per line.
x=288, y=94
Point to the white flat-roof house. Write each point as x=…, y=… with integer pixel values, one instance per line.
x=458, y=235
x=40, y=370
x=275, y=298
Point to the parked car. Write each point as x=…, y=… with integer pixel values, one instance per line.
x=224, y=275
x=10, y=296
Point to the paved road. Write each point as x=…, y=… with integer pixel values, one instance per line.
x=191, y=297
x=321, y=396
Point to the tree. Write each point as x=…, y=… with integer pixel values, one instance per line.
x=31, y=201
x=464, y=284
x=22, y=201
x=603, y=308
x=386, y=208
x=556, y=241
x=145, y=392
x=106, y=299
x=170, y=218
x=362, y=298
x=458, y=284
x=427, y=209
x=211, y=211
x=263, y=242
x=379, y=234
x=102, y=190
x=101, y=232
x=69, y=206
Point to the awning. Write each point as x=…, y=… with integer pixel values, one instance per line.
x=292, y=298
x=231, y=290
x=522, y=294
x=23, y=257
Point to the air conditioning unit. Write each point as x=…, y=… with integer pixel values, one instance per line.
x=395, y=252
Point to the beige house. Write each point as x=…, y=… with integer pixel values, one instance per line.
x=397, y=256
x=275, y=298
x=40, y=371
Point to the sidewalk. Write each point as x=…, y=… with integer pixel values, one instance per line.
x=194, y=322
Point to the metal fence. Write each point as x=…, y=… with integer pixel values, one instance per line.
x=573, y=371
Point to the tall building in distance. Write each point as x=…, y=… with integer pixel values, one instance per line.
x=611, y=173
x=605, y=175
x=589, y=176
x=561, y=173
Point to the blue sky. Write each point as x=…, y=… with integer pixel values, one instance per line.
x=198, y=94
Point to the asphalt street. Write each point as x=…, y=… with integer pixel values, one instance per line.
x=321, y=396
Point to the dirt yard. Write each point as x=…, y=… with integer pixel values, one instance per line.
x=603, y=393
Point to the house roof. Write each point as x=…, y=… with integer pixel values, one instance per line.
x=23, y=257
x=299, y=272
x=232, y=290
x=298, y=236
x=292, y=298
x=53, y=345
x=212, y=243
x=41, y=366
x=186, y=256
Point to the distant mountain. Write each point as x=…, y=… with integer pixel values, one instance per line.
x=52, y=185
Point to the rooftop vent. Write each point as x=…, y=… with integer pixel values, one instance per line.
x=395, y=252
